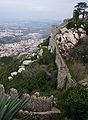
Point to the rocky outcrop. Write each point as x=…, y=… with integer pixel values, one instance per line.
x=62, y=40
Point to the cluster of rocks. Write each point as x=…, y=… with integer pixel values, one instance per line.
x=20, y=69
x=68, y=38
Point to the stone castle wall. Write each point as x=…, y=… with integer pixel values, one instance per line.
x=64, y=80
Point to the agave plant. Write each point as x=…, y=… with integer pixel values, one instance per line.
x=9, y=107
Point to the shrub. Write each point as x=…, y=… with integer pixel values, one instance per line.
x=6, y=60
x=80, y=52
x=74, y=24
x=70, y=25
x=51, y=67
x=47, y=57
x=75, y=103
x=77, y=70
x=34, y=57
x=45, y=42
x=42, y=82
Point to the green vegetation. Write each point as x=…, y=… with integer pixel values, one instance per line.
x=74, y=103
x=86, y=28
x=78, y=60
x=77, y=24
x=40, y=76
x=78, y=56
x=43, y=74
x=9, y=65
x=74, y=24
x=80, y=51
x=47, y=57
x=34, y=57
x=77, y=70
x=45, y=42
x=80, y=9
x=43, y=83
x=9, y=107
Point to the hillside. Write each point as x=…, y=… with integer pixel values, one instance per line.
x=58, y=69
x=40, y=75
x=70, y=41
x=42, y=71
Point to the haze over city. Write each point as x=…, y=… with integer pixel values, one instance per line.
x=36, y=9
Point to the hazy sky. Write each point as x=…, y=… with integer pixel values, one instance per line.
x=37, y=9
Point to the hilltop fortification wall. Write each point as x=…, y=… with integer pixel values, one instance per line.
x=62, y=40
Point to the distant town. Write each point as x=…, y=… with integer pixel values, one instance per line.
x=21, y=39
x=16, y=48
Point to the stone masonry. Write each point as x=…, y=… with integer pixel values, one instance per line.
x=64, y=80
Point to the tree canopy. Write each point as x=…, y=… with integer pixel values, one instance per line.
x=81, y=6
x=80, y=9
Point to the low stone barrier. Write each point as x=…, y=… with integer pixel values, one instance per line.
x=37, y=108
x=54, y=114
x=36, y=103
